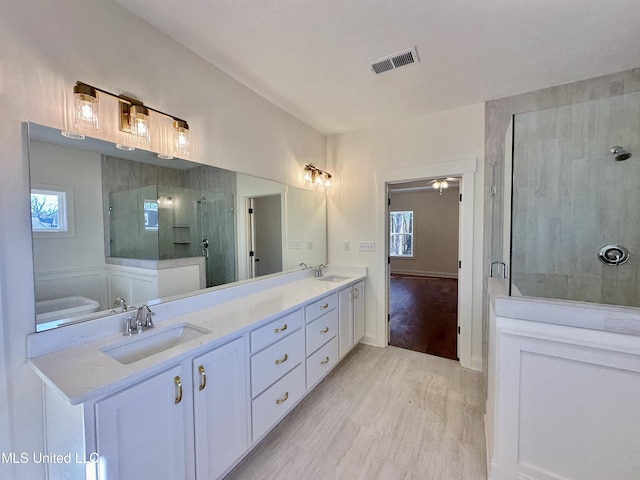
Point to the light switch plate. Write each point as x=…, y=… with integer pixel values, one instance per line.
x=347, y=245
x=366, y=246
x=309, y=244
x=295, y=245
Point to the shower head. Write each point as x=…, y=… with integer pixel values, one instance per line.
x=620, y=153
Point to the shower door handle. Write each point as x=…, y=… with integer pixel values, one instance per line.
x=205, y=248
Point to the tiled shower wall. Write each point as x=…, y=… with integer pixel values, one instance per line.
x=571, y=197
x=498, y=114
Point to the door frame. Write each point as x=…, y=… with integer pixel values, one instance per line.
x=465, y=169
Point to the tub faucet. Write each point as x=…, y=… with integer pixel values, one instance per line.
x=318, y=273
x=303, y=265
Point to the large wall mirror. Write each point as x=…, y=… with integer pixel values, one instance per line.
x=110, y=224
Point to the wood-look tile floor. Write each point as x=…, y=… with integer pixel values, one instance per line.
x=381, y=414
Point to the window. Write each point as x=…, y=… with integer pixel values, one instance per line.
x=151, y=215
x=52, y=211
x=401, y=234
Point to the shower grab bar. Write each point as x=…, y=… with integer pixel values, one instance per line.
x=504, y=269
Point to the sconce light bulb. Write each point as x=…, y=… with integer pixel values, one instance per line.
x=86, y=107
x=181, y=137
x=307, y=176
x=139, y=122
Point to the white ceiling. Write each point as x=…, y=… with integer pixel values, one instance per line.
x=310, y=57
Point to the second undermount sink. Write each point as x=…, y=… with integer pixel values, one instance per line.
x=332, y=278
x=151, y=342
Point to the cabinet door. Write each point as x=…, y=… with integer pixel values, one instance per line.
x=358, y=312
x=221, y=404
x=142, y=431
x=345, y=335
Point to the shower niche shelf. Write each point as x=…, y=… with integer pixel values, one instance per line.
x=181, y=234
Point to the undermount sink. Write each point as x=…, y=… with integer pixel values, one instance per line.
x=149, y=343
x=332, y=278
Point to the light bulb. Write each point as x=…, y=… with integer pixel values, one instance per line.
x=86, y=106
x=444, y=184
x=139, y=122
x=181, y=137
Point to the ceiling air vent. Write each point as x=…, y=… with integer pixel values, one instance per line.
x=397, y=60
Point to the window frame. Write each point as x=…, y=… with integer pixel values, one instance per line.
x=66, y=217
x=411, y=234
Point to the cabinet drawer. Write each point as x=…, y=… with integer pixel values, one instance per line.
x=320, y=307
x=321, y=362
x=275, y=330
x=321, y=330
x=273, y=362
x=276, y=401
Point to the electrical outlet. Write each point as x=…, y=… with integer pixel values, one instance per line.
x=309, y=244
x=366, y=246
x=347, y=245
x=295, y=245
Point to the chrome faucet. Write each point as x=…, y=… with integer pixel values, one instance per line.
x=120, y=302
x=143, y=317
x=303, y=265
x=318, y=273
x=141, y=322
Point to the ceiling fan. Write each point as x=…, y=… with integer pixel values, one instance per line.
x=441, y=183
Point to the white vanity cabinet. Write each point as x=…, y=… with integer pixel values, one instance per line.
x=322, y=320
x=143, y=431
x=351, y=301
x=221, y=408
x=277, y=370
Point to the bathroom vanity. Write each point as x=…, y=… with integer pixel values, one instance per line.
x=192, y=396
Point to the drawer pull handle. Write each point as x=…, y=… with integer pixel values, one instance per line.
x=325, y=330
x=204, y=378
x=357, y=293
x=281, y=329
x=283, y=359
x=178, y=383
x=322, y=307
x=325, y=361
x=283, y=399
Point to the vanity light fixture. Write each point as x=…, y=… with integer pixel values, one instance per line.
x=134, y=118
x=85, y=100
x=315, y=176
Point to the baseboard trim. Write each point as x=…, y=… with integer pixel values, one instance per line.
x=476, y=364
x=371, y=339
x=423, y=273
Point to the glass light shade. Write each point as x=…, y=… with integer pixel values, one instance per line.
x=307, y=176
x=327, y=181
x=85, y=107
x=181, y=137
x=139, y=123
x=318, y=180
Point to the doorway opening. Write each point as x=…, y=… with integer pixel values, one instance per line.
x=265, y=235
x=423, y=265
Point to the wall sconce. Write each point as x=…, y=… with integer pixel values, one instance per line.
x=315, y=176
x=134, y=117
x=85, y=100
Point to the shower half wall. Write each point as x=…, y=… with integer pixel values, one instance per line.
x=571, y=197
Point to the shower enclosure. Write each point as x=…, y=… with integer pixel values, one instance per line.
x=162, y=222
x=575, y=216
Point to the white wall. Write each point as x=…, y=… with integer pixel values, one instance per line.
x=81, y=170
x=355, y=158
x=44, y=48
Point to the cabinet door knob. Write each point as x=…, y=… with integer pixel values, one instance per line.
x=283, y=359
x=204, y=378
x=283, y=399
x=322, y=307
x=178, y=383
x=281, y=329
x=325, y=361
x=325, y=330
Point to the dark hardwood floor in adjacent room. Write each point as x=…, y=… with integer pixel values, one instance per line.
x=424, y=314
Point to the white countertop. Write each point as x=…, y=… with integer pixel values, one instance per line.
x=82, y=372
